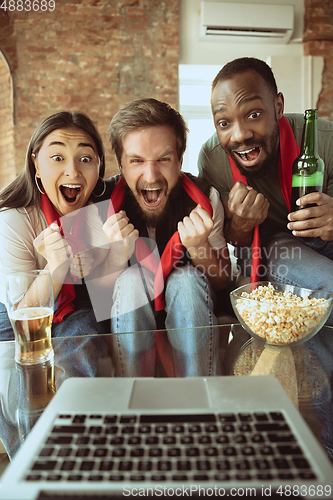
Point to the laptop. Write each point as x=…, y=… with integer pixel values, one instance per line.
x=110, y=438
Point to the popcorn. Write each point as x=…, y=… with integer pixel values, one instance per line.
x=280, y=317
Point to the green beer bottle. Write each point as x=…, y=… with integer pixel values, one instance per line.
x=308, y=168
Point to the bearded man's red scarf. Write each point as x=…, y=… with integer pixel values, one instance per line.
x=171, y=254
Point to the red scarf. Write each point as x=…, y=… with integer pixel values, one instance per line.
x=289, y=150
x=171, y=254
x=67, y=293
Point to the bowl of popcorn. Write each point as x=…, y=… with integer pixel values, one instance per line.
x=280, y=314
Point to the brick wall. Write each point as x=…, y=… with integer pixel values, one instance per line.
x=7, y=166
x=95, y=55
x=92, y=56
x=318, y=41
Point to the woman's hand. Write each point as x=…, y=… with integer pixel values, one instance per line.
x=55, y=249
x=82, y=264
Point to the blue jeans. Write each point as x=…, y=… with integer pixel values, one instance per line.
x=304, y=262
x=189, y=303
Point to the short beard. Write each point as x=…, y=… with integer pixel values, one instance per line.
x=150, y=218
x=268, y=165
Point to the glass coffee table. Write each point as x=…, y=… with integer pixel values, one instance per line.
x=304, y=371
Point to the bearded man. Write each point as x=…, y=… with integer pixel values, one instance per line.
x=166, y=234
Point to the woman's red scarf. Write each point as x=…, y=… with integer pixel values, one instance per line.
x=289, y=150
x=171, y=254
x=67, y=293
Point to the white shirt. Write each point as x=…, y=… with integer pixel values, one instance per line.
x=20, y=227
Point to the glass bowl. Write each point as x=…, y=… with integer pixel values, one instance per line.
x=280, y=314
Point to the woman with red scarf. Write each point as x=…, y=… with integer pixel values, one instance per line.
x=48, y=220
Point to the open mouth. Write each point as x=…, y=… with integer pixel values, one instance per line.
x=71, y=192
x=152, y=197
x=249, y=155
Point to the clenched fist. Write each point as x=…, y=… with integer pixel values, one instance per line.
x=122, y=236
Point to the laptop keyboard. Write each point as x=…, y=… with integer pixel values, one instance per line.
x=164, y=448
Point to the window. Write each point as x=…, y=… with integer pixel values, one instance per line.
x=194, y=104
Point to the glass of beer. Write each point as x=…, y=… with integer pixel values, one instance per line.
x=30, y=307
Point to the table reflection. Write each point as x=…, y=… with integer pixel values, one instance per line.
x=25, y=390
x=304, y=371
x=36, y=389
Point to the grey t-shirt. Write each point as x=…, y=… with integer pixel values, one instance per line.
x=214, y=166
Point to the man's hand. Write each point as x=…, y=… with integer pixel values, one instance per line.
x=244, y=210
x=313, y=221
x=248, y=208
x=194, y=229
x=122, y=236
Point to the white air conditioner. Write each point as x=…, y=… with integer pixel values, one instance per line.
x=246, y=22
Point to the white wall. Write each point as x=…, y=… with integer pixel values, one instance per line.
x=298, y=77
x=195, y=51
